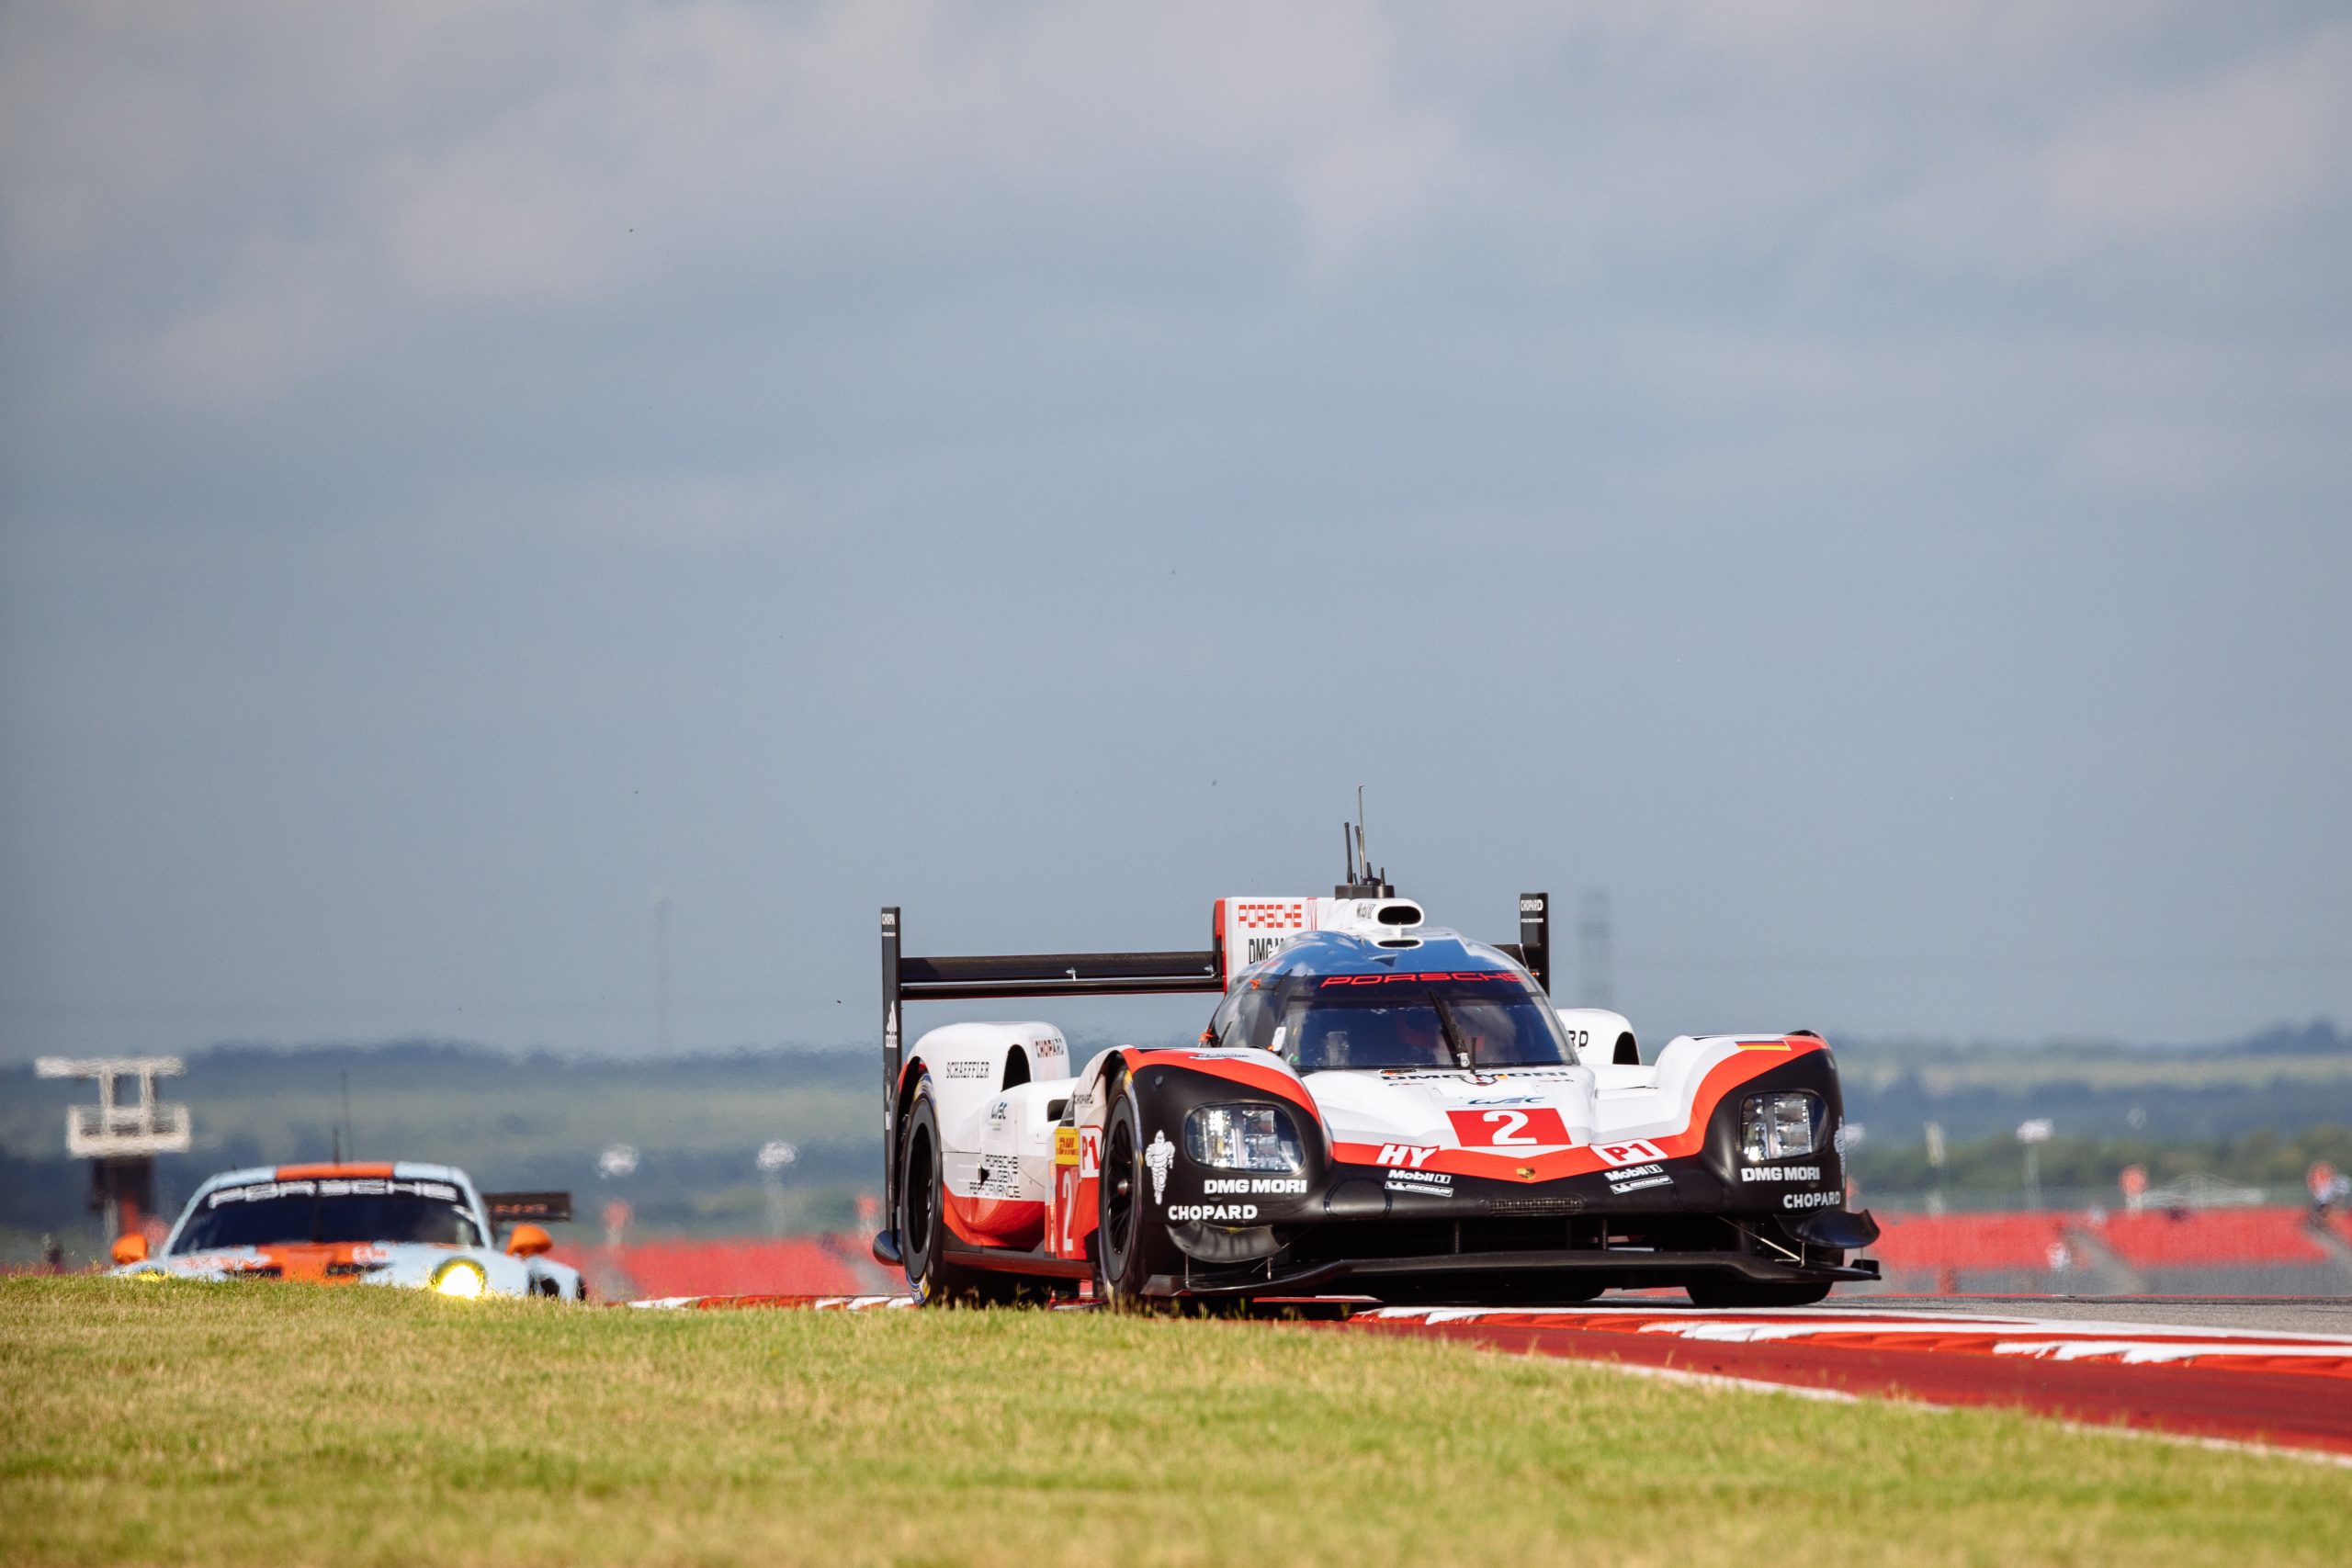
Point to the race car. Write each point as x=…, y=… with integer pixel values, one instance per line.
x=1378, y=1108
x=421, y=1226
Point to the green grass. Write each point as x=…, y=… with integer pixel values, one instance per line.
x=257, y=1425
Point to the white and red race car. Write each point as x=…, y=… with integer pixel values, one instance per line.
x=1378, y=1108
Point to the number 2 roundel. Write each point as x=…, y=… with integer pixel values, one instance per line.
x=1524, y=1128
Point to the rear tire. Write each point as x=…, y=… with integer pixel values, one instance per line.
x=1733, y=1293
x=932, y=1278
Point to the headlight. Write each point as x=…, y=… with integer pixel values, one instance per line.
x=460, y=1279
x=1243, y=1137
x=1779, y=1127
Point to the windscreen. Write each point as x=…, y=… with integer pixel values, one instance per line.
x=1469, y=1019
x=386, y=1209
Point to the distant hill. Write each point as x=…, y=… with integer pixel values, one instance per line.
x=697, y=1123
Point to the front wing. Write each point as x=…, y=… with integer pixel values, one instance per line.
x=1659, y=1211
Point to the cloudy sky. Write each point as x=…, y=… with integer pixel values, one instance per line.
x=1866, y=486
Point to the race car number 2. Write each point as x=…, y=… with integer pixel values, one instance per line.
x=1518, y=1129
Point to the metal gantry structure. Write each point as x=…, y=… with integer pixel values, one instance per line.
x=121, y=1137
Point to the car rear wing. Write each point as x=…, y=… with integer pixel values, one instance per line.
x=540, y=1208
x=906, y=978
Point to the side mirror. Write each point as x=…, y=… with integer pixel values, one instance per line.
x=131, y=1248
x=528, y=1241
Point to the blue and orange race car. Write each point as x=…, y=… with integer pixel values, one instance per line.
x=421, y=1226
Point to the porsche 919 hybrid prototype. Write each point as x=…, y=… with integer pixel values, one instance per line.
x=422, y=1226
x=1378, y=1108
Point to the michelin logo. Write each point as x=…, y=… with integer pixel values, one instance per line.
x=1156, y=1159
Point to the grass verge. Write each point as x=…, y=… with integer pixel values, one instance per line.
x=246, y=1423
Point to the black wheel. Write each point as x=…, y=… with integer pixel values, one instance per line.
x=1126, y=1228
x=1726, y=1293
x=932, y=1278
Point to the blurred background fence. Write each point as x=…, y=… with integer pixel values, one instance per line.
x=2255, y=1250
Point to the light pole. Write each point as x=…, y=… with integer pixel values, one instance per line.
x=2033, y=1135
x=1936, y=1163
x=662, y=973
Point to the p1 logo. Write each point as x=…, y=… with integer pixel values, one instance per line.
x=1090, y=1151
x=1637, y=1152
x=1532, y=1127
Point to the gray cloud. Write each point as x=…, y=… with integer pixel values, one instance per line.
x=1863, y=484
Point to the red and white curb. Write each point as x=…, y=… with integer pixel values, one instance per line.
x=2060, y=1339
x=2251, y=1387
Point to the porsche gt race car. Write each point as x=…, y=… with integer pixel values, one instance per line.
x=1378, y=1108
x=422, y=1226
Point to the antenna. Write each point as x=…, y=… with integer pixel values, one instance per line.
x=350, y=1134
x=1362, y=859
x=1363, y=881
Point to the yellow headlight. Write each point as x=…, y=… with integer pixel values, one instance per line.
x=460, y=1279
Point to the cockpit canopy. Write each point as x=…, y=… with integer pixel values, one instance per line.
x=1393, y=1018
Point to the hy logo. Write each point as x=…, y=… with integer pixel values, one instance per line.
x=1156, y=1159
